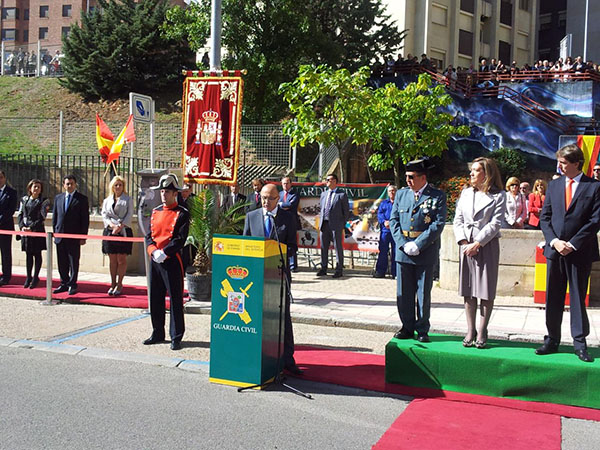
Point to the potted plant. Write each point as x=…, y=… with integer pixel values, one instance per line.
x=206, y=219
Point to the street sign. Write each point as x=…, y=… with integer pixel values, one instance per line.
x=141, y=107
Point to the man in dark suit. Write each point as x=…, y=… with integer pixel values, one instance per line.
x=234, y=198
x=273, y=222
x=417, y=221
x=254, y=198
x=335, y=211
x=570, y=221
x=289, y=201
x=8, y=205
x=71, y=215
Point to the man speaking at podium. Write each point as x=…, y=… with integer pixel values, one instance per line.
x=266, y=222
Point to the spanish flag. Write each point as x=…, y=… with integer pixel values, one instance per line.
x=590, y=145
x=127, y=134
x=104, y=138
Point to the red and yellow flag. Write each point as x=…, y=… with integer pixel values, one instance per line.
x=104, y=138
x=590, y=146
x=127, y=134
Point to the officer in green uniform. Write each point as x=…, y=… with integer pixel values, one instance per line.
x=417, y=220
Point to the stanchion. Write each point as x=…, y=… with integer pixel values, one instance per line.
x=49, y=252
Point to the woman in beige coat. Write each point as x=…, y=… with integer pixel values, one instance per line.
x=477, y=222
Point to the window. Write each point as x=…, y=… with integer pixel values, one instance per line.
x=524, y=5
x=545, y=21
x=25, y=35
x=506, y=13
x=43, y=34
x=504, y=51
x=26, y=14
x=562, y=19
x=45, y=11
x=66, y=10
x=468, y=6
x=439, y=14
x=10, y=13
x=65, y=31
x=9, y=34
x=465, y=42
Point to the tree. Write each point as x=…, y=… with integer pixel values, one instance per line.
x=118, y=48
x=271, y=39
x=510, y=162
x=326, y=105
x=409, y=123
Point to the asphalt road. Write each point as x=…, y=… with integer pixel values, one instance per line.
x=56, y=401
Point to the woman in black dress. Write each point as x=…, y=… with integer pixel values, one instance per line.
x=32, y=213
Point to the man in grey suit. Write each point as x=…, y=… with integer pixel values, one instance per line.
x=335, y=211
x=275, y=223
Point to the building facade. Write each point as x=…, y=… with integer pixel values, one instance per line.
x=462, y=32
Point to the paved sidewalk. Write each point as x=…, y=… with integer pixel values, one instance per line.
x=359, y=301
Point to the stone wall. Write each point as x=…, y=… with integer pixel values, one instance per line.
x=517, y=264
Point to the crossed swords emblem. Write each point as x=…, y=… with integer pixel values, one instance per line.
x=226, y=289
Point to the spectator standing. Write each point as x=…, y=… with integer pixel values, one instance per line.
x=8, y=206
x=416, y=222
x=516, y=208
x=70, y=215
x=254, y=200
x=289, y=201
x=535, y=204
x=477, y=222
x=117, y=213
x=32, y=214
x=386, y=240
x=596, y=171
x=525, y=189
x=335, y=211
x=233, y=198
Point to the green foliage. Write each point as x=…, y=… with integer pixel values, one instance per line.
x=511, y=162
x=453, y=187
x=118, y=48
x=206, y=219
x=272, y=38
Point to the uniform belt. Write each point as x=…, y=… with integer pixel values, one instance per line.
x=412, y=234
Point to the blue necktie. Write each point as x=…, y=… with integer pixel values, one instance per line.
x=267, y=225
x=67, y=201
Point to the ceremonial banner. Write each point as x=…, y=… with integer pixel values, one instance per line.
x=212, y=114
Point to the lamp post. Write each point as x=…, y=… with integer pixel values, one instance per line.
x=585, y=30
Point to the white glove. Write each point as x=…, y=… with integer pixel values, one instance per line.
x=158, y=256
x=411, y=249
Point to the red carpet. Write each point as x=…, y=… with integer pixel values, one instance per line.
x=367, y=371
x=440, y=425
x=89, y=293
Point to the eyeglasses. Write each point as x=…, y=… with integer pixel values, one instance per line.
x=411, y=177
x=329, y=179
x=266, y=199
x=513, y=185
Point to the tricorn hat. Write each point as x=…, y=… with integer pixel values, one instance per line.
x=168, y=181
x=421, y=165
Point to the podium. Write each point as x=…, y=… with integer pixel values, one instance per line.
x=244, y=337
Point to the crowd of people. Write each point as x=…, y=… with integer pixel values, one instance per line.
x=24, y=63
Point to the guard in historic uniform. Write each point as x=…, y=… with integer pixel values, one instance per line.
x=169, y=226
x=417, y=220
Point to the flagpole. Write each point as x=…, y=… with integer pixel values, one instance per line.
x=215, y=35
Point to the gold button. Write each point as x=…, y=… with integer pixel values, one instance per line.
x=412, y=219
x=411, y=228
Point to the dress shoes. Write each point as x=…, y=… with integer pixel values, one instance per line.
x=547, y=349
x=34, y=283
x=153, y=340
x=294, y=369
x=404, y=334
x=378, y=275
x=27, y=282
x=60, y=289
x=175, y=345
x=3, y=282
x=73, y=290
x=321, y=273
x=583, y=355
x=338, y=274
x=423, y=337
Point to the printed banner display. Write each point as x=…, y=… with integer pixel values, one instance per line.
x=212, y=114
x=362, y=229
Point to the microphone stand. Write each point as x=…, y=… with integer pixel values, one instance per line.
x=284, y=289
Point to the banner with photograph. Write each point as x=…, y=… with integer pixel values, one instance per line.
x=362, y=229
x=212, y=114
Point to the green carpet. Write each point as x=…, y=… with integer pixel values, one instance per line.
x=504, y=369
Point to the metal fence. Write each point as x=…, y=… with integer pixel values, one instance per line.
x=30, y=60
x=89, y=171
x=259, y=144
